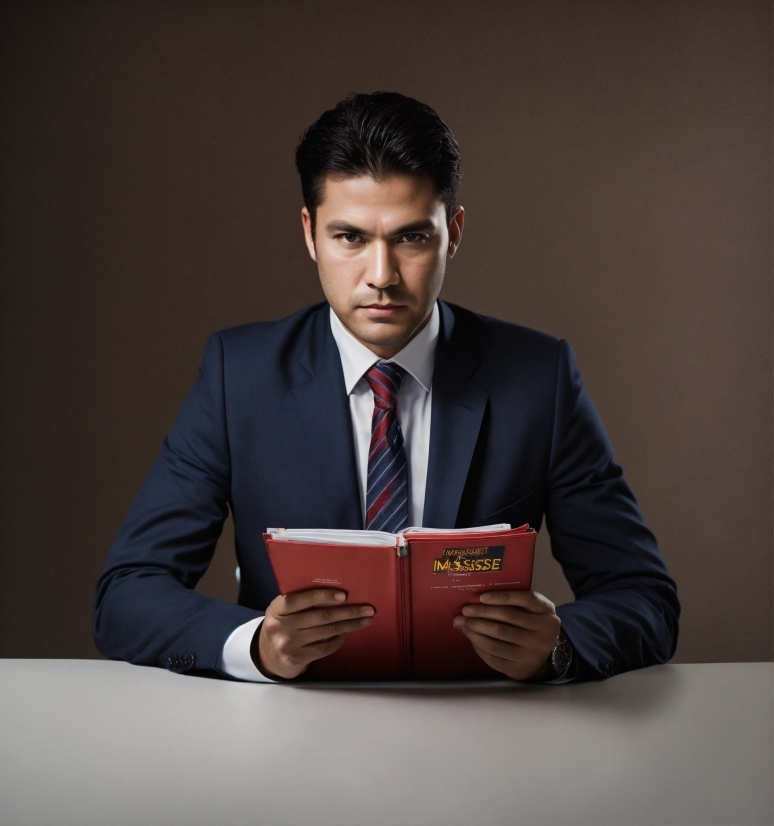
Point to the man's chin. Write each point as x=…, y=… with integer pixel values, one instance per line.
x=383, y=334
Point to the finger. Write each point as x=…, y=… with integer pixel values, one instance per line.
x=314, y=617
x=498, y=663
x=302, y=600
x=516, y=671
x=324, y=648
x=323, y=632
x=528, y=659
x=498, y=631
x=528, y=600
x=506, y=613
x=497, y=648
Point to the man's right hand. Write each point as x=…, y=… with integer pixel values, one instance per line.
x=304, y=627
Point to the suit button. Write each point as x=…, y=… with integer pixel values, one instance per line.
x=181, y=663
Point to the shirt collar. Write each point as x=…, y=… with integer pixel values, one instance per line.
x=417, y=357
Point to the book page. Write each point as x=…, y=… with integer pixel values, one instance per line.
x=332, y=536
x=503, y=526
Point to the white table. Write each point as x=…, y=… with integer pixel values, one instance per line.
x=89, y=742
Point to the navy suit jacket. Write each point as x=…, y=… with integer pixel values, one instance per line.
x=266, y=431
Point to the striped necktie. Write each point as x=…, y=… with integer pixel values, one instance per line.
x=387, y=486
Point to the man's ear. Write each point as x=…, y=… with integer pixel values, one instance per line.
x=455, y=231
x=306, y=220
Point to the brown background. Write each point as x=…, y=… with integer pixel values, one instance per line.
x=618, y=186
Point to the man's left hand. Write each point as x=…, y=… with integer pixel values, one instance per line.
x=514, y=632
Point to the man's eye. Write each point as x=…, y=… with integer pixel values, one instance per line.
x=413, y=237
x=350, y=237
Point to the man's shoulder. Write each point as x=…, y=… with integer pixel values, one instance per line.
x=281, y=351
x=513, y=363
x=265, y=333
x=500, y=339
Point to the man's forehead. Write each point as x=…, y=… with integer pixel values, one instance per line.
x=365, y=194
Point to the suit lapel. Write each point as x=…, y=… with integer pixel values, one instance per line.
x=458, y=410
x=323, y=407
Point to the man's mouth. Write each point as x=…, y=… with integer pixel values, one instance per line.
x=382, y=310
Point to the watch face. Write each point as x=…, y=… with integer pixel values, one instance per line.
x=561, y=657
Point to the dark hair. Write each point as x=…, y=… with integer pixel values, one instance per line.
x=380, y=134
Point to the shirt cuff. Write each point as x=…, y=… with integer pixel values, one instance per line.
x=235, y=659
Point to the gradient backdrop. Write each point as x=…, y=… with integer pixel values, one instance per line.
x=618, y=187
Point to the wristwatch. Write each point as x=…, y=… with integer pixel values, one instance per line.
x=560, y=660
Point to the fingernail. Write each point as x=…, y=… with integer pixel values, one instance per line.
x=468, y=610
x=458, y=622
x=366, y=611
x=339, y=596
x=486, y=597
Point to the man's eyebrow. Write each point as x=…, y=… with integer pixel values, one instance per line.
x=343, y=226
x=415, y=226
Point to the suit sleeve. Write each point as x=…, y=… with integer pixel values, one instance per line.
x=146, y=609
x=626, y=610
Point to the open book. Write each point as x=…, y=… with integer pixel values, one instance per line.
x=417, y=581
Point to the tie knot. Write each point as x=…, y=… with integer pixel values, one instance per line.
x=385, y=379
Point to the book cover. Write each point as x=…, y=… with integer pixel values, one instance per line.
x=417, y=582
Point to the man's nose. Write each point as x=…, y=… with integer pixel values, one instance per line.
x=382, y=266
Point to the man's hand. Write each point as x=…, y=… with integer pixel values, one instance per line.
x=514, y=632
x=304, y=627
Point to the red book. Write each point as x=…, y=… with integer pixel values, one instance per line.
x=417, y=582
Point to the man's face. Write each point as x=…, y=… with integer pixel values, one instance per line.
x=381, y=248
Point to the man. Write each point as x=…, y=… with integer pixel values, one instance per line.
x=485, y=422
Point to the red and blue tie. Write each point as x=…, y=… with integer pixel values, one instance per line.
x=387, y=486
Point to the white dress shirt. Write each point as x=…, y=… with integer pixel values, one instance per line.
x=417, y=358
